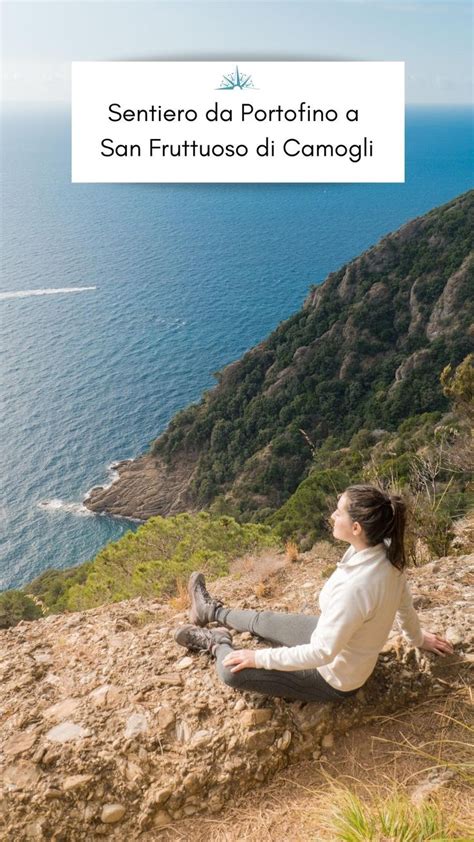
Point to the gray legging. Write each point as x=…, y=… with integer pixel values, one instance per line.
x=284, y=630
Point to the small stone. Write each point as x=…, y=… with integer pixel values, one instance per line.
x=73, y=782
x=191, y=782
x=112, y=813
x=35, y=830
x=105, y=696
x=258, y=740
x=327, y=741
x=454, y=634
x=426, y=789
x=159, y=796
x=240, y=705
x=256, y=716
x=166, y=716
x=23, y=775
x=136, y=724
x=284, y=741
x=122, y=624
x=310, y=717
x=61, y=709
x=52, y=794
x=161, y=818
x=184, y=663
x=133, y=772
x=169, y=678
x=65, y=732
x=215, y=804
x=19, y=743
x=201, y=738
x=99, y=695
x=43, y=657
x=39, y=754
x=89, y=812
x=183, y=732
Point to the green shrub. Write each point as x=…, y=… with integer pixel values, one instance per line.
x=148, y=562
x=16, y=606
x=52, y=586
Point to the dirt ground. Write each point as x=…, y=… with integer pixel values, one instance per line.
x=430, y=741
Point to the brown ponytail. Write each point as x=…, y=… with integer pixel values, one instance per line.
x=382, y=516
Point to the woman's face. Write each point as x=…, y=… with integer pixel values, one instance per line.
x=344, y=528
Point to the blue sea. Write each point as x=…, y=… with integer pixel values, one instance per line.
x=177, y=281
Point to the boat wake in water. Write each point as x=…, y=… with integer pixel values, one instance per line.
x=27, y=293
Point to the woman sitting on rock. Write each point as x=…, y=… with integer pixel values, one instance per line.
x=326, y=656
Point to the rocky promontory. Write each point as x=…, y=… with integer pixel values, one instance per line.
x=144, y=487
x=110, y=729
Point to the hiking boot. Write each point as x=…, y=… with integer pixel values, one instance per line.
x=203, y=605
x=198, y=639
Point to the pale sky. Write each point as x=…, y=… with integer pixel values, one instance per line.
x=433, y=37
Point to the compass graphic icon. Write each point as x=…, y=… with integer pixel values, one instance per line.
x=236, y=79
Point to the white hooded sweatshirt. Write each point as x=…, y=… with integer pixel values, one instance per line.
x=358, y=604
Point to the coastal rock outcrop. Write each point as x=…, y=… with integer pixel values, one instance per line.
x=144, y=487
x=109, y=728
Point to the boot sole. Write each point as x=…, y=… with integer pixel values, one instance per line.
x=194, y=618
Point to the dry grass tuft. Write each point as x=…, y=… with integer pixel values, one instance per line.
x=292, y=552
x=248, y=564
x=262, y=589
x=257, y=568
x=390, y=815
x=180, y=601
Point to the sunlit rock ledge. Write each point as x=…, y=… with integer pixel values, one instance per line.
x=109, y=728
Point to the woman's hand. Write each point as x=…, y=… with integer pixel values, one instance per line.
x=434, y=643
x=242, y=658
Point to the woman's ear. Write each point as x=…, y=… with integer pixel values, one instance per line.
x=356, y=528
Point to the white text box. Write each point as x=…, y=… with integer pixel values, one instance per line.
x=238, y=121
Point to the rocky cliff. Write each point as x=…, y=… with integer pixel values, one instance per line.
x=365, y=351
x=109, y=728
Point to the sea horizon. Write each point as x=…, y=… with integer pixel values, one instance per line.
x=120, y=301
